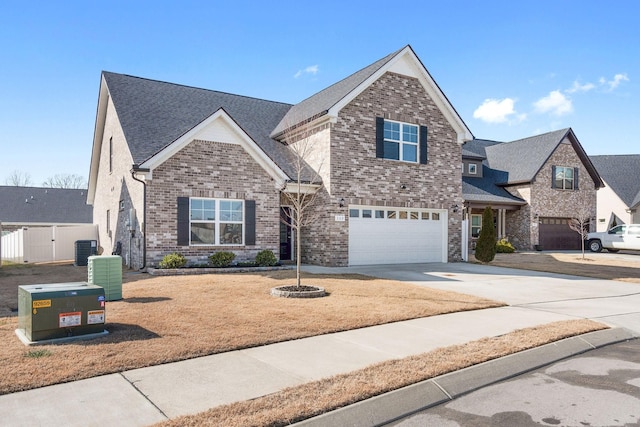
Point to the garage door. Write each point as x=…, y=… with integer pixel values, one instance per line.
x=555, y=234
x=396, y=235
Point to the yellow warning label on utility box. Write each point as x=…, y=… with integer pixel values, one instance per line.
x=42, y=303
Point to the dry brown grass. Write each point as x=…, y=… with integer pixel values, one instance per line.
x=301, y=402
x=594, y=265
x=165, y=319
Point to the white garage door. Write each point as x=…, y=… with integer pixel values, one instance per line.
x=396, y=235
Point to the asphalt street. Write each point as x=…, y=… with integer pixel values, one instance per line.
x=598, y=388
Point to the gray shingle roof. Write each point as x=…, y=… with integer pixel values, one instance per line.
x=514, y=162
x=622, y=174
x=486, y=190
x=476, y=148
x=44, y=205
x=154, y=114
x=523, y=158
x=322, y=101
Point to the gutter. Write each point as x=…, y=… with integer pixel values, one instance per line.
x=136, y=168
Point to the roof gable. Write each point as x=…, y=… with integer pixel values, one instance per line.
x=331, y=100
x=219, y=127
x=25, y=205
x=155, y=114
x=622, y=174
x=524, y=158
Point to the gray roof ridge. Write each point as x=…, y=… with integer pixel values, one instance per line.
x=195, y=87
x=614, y=155
x=311, y=111
x=563, y=131
x=35, y=187
x=387, y=58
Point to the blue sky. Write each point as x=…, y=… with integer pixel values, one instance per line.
x=511, y=69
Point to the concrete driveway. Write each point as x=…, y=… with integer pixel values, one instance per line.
x=611, y=302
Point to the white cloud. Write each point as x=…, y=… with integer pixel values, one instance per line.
x=554, y=103
x=577, y=87
x=617, y=79
x=497, y=111
x=311, y=69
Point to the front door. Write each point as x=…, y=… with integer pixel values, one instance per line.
x=285, y=234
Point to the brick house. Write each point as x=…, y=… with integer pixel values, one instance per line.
x=177, y=168
x=534, y=185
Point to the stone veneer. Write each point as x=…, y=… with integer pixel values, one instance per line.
x=361, y=178
x=211, y=170
x=544, y=201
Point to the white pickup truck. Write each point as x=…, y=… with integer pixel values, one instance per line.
x=619, y=237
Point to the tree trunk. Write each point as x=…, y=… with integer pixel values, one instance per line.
x=298, y=255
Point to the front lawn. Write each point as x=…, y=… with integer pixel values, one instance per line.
x=165, y=319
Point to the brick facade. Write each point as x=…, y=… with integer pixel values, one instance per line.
x=544, y=201
x=360, y=178
x=117, y=192
x=210, y=170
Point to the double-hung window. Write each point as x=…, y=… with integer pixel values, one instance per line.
x=216, y=222
x=400, y=141
x=564, y=178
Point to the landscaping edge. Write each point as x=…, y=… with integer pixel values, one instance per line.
x=212, y=270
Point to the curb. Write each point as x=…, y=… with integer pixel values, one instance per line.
x=397, y=404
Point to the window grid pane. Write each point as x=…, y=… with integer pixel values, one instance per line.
x=227, y=228
x=400, y=142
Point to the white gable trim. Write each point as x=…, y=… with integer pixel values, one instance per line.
x=407, y=63
x=98, y=134
x=219, y=127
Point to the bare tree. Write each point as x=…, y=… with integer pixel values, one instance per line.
x=65, y=180
x=580, y=222
x=302, y=192
x=18, y=179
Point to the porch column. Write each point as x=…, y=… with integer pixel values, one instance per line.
x=502, y=223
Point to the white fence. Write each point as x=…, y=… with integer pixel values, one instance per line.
x=44, y=244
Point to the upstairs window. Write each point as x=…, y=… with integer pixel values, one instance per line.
x=401, y=141
x=564, y=178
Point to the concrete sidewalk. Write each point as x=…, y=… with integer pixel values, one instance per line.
x=144, y=396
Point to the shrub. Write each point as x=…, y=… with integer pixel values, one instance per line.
x=173, y=260
x=222, y=259
x=486, y=245
x=266, y=258
x=504, y=247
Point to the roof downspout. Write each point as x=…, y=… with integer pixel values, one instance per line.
x=135, y=168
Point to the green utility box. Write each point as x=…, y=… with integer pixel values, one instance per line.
x=60, y=310
x=106, y=271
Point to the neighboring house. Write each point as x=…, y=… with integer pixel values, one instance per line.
x=619, y=200
x=177, y=168
x=43, y=207
x=534, y=185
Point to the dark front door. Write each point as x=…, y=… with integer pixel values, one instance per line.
x=285, y=235
x=555, y=234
